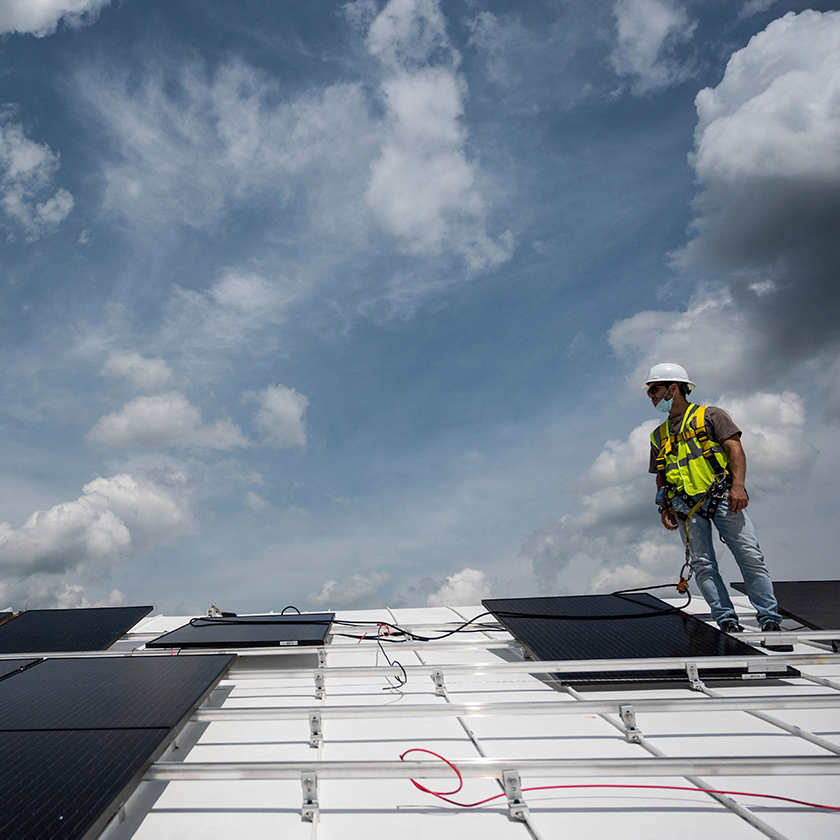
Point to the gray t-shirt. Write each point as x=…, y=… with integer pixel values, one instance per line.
x=719, y=427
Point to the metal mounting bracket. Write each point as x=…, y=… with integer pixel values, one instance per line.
x=322, y=658
x=513, y=791
x=628, y=718
x=694, y=676
x=320, y=685
x=316, y=734
x=440, y=687
x=310, y=811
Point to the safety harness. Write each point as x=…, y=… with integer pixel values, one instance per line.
x=693, y=428
x=703, y=504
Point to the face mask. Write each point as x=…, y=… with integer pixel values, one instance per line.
x=664, y=405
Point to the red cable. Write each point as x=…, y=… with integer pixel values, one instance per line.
x=444, y=794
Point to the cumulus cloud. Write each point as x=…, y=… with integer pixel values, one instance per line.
x=113, y=520
x=767, y=156
x=648, y=32
x=280, y=416
x=773, y=425
x=143, y=374
x=712, y=338
x=41, y=17
x=423, y=189
x=356, y=591
x=26, y=173
x=164, y=420
x=465, y=588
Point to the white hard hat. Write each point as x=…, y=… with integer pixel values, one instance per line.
x=668, y=372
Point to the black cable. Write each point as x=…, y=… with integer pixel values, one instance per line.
x=401, y=681
x=290, y=607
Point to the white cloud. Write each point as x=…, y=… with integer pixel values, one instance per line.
x=358, y=590
x=648, y=32
x=113, y=520
x=26, y=172
x=767, y=155
x=740, y=357
x=194, y=146
x=41, y=17
x=164, y=420
x=423, y=189
x=779, y=452
x=257, y=503
x=143, y=374
x=280, y=416
x=234, y=313
x=465, y=588
x=774, y=114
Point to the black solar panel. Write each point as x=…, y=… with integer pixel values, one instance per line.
x=108, y=692
x=13, y=666
x=57, y=631
x=814, y=603
x=58, y=785
x=598, y=636
x=249, y=631
x=77, y=734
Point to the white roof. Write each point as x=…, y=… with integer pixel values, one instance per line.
x=208, y=794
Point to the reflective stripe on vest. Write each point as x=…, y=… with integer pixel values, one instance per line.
x=689, y=460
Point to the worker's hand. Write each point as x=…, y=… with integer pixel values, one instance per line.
x=668, y=520
x=738, y=499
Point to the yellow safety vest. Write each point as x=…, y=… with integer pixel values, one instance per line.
x=689, y=461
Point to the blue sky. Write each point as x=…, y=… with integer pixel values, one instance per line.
x=348, y=304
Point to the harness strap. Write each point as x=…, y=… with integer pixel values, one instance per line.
x=719, y=471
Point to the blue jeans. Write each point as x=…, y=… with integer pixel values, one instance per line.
x=738, y=533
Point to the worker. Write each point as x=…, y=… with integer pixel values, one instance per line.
x=700, y=466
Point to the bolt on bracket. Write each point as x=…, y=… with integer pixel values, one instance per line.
x=513, y=791
x=440, y=687
x=320, y=686
x=322, y=658
x=310, y=811
x=628, y=718
x=316, y=734
x=694, y=676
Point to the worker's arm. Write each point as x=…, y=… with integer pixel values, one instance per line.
x=667, y=517
x=738, y=499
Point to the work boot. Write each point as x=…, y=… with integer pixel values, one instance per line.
x=731, y=626
x=773, y=627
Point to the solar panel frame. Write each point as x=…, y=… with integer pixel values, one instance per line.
x=814, y=603
x=67, y=631
x=248, y=631
x=590, y=630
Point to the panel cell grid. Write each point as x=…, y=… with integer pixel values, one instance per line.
x=55, y=785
